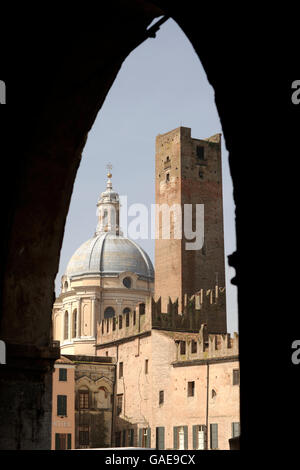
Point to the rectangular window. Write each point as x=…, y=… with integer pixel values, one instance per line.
x=119, y=403
x=131, y=437
x=194, y=347
x=61, y=405
x=213, y=436
x=62, y=441
x=83, y=399
x=134, y=317
x=118, y=439
x=146, y=366
x=120, y=322
x=236, y=376
x=200, y=152
x=161, y=397
x=182, y=347
x=191, y=389
x=120, y=370
x=145, y=437
x=84, y=436
x=199, y=437
x=160, y=438
x=62, y=375
x=127, y=319
x=235, y=429
x=180, y=435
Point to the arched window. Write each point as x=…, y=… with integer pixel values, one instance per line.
x=66, y=285
x=66, y=325
x=109, y=312
x=74, y=325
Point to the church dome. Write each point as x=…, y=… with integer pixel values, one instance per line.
x=108, y=254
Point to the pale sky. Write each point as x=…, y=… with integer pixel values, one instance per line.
x=160, y=86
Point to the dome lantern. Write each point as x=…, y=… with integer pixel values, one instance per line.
x=108, y=211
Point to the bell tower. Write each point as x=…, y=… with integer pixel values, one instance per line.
x=188, y=171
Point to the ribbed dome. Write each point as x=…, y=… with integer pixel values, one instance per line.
x=109, y=254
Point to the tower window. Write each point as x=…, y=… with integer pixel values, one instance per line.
x=200, y=152
x=146, y=366
x=213, y=393
x=120, y=370
x=167, y=177
x=120, y=322
x=127, y=282
x=161, y=397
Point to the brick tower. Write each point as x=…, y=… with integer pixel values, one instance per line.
x=188, y=171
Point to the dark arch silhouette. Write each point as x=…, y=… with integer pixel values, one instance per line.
x=54, y=97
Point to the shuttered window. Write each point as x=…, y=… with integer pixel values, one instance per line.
x=61, y=405
x=62, y=375
x=160, y=438
x=62, y=441
x=235, y=429
x=213, y=436
x=180, y=437
x=199, y=437
x=131, y=437
x=145, y=437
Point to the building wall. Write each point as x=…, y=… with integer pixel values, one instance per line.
x=85, y=301
x=170, y=372
x=134, y=385
x=66, y=424
x=179, y=271
x=96, y=376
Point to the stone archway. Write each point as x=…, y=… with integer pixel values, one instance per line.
x=63, y=89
